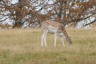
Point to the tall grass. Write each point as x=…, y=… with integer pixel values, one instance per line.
x=22, y=46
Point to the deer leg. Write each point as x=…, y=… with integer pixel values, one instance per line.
x=42, y=39
x=55, y=38
x=62, y=40
x=45, y=38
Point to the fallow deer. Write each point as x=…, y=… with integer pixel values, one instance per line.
x=57, y=28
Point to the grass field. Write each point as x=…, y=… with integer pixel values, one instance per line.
x=22, y=46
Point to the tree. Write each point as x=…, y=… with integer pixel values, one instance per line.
x=73, y=11
x=65, y=11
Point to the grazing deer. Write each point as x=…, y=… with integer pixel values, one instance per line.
x=57, y=28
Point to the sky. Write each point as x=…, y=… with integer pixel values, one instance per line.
x=14, y=1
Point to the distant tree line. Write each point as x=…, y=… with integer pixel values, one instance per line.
x=37, y=11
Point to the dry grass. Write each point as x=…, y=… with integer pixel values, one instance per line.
x=22, y=46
